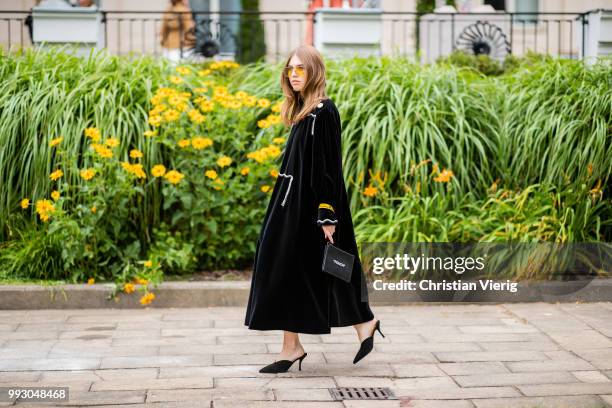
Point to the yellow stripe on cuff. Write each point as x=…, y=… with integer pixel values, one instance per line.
x=324, y=205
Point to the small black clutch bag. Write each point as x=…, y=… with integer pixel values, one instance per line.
x=337, y=262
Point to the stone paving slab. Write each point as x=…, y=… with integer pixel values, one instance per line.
x=433, y=356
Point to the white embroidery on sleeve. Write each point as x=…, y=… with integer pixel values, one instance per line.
x=313, y=122
x=290, y=177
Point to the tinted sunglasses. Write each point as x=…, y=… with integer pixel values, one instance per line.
x=298, y=70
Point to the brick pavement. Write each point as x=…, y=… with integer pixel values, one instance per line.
x=512, y=355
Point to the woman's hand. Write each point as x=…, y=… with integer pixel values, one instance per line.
x=328, y=231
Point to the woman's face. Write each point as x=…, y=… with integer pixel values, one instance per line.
x=297, y=77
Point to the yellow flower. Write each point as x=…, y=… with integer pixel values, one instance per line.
x=224, y=64
x=201, y=142
x=224, y=161
x=56, y=141
x=204, y=72
x=207, y=106
x=183, y=70
x=175, y=79
x=174, y=176
x=102, y=150
x=43, y=208
x=149, y=133
x=93, y=133
x=234, y=105
x=244, y=171
x=277, y=107
x=184, y=143
x=257, y=155
x=94, y=209
x=211, y=174
x=263, y=103
x=88, y=174
x=263, y=123
x=264, y=153
x=148, y=264
x=56, y=174
x=196, y=116
x=158, y=170
x=274, y=173
x=171, y=115
x=141, y=281
x=278, y=140
x=147, y=299
x=175, y=100
x=157, y=109
x=220, y=90
x=25, y=203
x=90, y=281
x=138, y=171
x=155, y=120
x=273, y=119
x=444, y=176
x=135, y=169
x=250, y=100
x=265, y=188
x=135, y=154
x=128, y=287
x=370, y=191
x=55, y=195
x=112, y=142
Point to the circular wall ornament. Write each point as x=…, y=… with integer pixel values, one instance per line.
x=483, y=37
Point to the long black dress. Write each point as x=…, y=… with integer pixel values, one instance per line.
x=289, y=291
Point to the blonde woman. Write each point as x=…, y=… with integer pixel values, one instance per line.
x=289, y=291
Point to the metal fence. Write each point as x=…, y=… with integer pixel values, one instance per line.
x=403, y=33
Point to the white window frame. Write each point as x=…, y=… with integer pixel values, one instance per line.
x=511, y=8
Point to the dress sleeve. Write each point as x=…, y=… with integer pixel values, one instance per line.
x=326, y=171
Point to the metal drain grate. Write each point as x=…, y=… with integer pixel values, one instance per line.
x=361, y=393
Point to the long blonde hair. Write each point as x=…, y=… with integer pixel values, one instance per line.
x=298, y=105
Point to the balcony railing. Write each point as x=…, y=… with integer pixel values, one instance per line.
x=402, y=33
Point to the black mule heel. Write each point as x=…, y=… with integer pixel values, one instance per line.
x=367, y=344
x=282, y=366
x=378, y=328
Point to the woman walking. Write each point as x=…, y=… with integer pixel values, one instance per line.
x=308, y=205
x=177, y=32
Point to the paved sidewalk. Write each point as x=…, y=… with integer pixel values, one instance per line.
x=514, y=355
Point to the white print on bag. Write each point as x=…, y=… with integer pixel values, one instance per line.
x=339, y=263
x=290, y=177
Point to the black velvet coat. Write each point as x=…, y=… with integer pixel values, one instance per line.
x=289, y=291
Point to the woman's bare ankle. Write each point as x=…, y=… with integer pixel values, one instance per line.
x=291, y=351
x=365, y=329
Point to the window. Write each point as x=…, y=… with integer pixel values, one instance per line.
x=526, y=6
